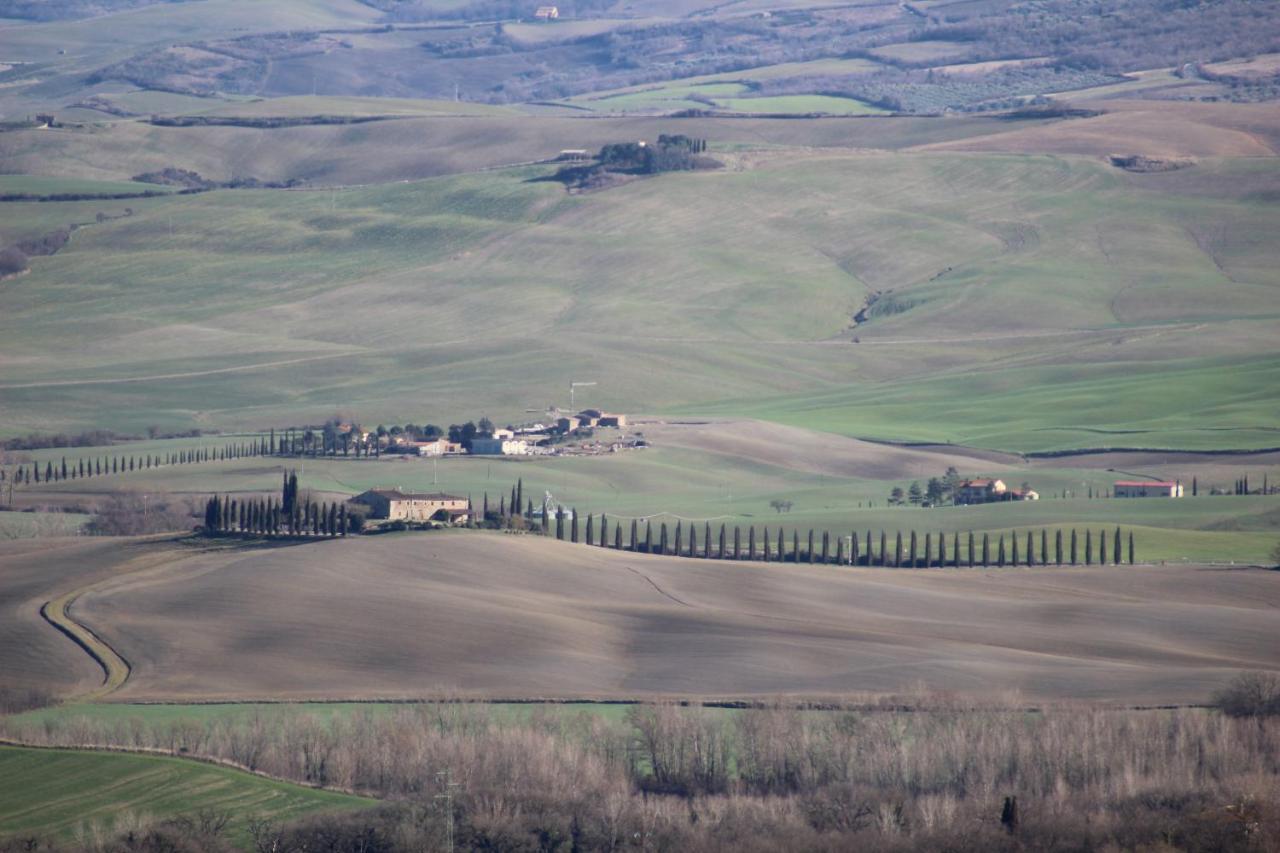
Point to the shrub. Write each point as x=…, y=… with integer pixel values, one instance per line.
x=1250, y=694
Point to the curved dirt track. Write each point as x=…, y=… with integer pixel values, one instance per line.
x=497, y=616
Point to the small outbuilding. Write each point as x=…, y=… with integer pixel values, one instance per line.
x=1147, y=489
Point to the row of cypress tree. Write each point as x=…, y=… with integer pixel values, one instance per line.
x=97, y=467
x=909, y=551
x=1072, y=548
x=269, y=517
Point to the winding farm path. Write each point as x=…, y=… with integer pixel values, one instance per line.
x=115, y=668
x=57, y=611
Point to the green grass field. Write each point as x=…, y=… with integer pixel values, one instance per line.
x=29, y=525
x=800, y=105
x=44, y=185
x=58, y=792
x=1018, y=308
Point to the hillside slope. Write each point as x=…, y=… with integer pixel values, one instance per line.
x=500, y=616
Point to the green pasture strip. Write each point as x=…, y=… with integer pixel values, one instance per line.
x=57, y=791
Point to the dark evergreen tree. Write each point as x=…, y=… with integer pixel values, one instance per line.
x=662, y=541
x=928, y=549
x=764, y=543
x=48, y=472
x=635, y=540
x=559, y=524
x=751, y=542
x=912, y=558
x=721, y=553
x=648, y=535
x=1031, y=549
x=342, y=520
x=737, y=542
x=1088, y=547
x=810, y=548
x=795, y=545
x=897, y=550
x=333, y=520
x=884, y=549
x=1013, y=537
x=986, y=550
x=1131, y=547
x=679, y=542
x=1115, y=551
x=617, y=537
x=573, y=527
x=1074, y=551
x=590, y=540
x=519, y=492
x=604, y=530
x=853, y=549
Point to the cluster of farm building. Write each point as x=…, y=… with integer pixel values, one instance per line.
x=525, y=440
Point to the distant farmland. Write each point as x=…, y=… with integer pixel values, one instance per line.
x=1008, y=289
x=502, y=616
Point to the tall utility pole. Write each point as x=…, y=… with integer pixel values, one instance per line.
x=572, y=387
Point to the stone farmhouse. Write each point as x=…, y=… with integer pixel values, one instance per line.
x=1146, y=489
x=393, y=504
x=985, y=491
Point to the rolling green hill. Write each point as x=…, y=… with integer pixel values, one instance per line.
x=1024, y=303
x=58, y=791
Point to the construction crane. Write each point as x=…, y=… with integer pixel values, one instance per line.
x=572, y=387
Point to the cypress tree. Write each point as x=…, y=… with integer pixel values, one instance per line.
x=662, y=539
x=751, y=542
x=870, y=551
x=955, y=550
x=679, y=543
x=1031, y=549
x=559, y=524
x=928, y=549
x=520, y=492
x=485, y=509
x=737, y=542
x=986, y=550
x=48, y=472
x=1102, y=547
x=1074, y=551
x=1014, y=543
x=1131, y=547
x=604, y=530
x=1088, y=547
x=795, y=545
x=515, y=502
x=648, y=535
x=826, y=547
x=617, y=537
x=897, y=550
x=884, y=549
x=1044, y=547
x=706, y=540
x=316, y=520
x=1195, y=487
x=590, y=540
x=546, y=522
x=342, y=520
x=528, y=512
x=764, y=532
x=635, y=536
x=721, y=550
x=912, y=552
x=1115, y=554
x=573, y=527
x=971, y=549
x=853, y=549
x=81, y=469
x=64, y=469
x=1057, y=547
x=839, y=550
x=811, y=546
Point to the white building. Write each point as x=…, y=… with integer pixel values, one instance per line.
x=499, y=447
